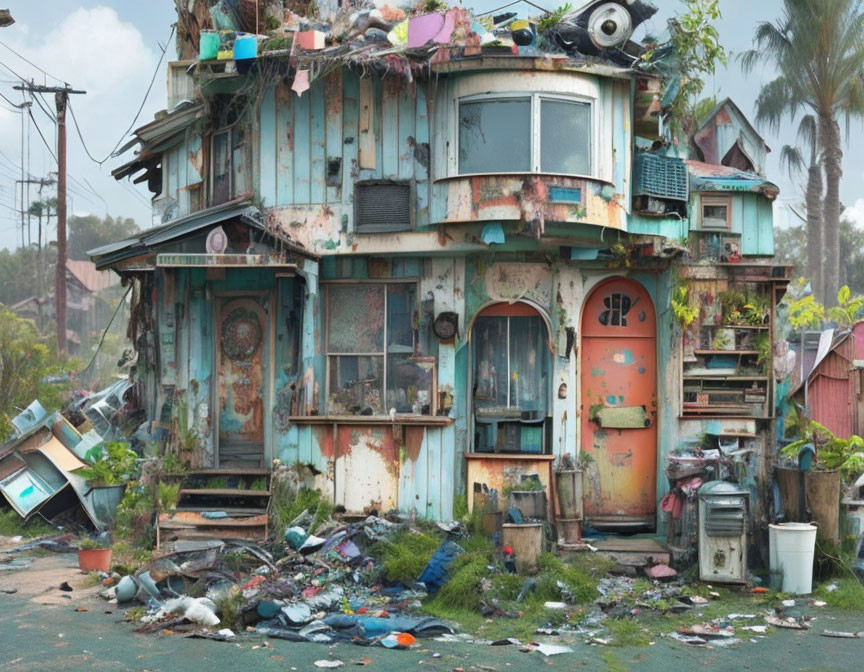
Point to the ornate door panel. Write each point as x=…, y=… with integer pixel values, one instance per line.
x=619, y=405
x=241, y=343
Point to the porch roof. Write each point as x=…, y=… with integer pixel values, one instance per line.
x=146, y=241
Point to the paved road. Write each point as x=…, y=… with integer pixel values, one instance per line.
x=40, y=630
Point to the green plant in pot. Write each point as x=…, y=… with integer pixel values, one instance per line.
x=110, y=468
x=836, y=459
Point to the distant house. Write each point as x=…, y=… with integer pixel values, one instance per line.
x=87, y=312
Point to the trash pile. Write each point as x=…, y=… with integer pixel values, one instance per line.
x=400, y=35
x=311, y=588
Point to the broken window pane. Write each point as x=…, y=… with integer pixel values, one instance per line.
x=409, y=384
x=715, y=215
x=356, y=385
x=221, y=188
x=528, y=358
x=400, y=317
x=493, y=131
x=356, y=318
x=565, y=137
x=490, y=362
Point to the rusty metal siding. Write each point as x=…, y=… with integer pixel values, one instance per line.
x=831, y=403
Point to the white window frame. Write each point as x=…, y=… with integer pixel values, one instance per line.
x=535, y=98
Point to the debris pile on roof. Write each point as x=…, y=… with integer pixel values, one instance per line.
x=400, y=36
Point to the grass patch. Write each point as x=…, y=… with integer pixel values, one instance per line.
x=92, y=579
x=12, y=525
x=285, y=506
x=849, y=595
x=259, y=485
x=626, y=632
x=228, y=608
x=168, y=494
x=611, y=663
x=462, y=591
x=217, y=483
x=579, y=582
x=404, y=557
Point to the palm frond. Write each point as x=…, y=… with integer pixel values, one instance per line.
x=792, y=160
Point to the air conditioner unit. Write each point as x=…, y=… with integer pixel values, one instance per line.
x=722, y=532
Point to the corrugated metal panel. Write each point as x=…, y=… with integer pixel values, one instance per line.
x=660, y=176
x=830, y=403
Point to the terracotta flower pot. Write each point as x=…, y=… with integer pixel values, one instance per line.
x=94, y=560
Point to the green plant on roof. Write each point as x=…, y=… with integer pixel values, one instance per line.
x=553, y=18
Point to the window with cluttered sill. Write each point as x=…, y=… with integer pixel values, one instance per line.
x=375, y=362
x=510, y=380
x=537, y=133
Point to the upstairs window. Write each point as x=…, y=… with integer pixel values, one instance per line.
x=230, y=152
x=525, y=134
x=716, y=212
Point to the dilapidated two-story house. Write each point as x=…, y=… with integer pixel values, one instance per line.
x=421, y=252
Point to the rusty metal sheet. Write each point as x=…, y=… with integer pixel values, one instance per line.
x=619, y=371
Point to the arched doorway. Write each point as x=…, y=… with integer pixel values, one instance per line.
x=619, y=405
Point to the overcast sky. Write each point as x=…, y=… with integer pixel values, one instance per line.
x=111, y=48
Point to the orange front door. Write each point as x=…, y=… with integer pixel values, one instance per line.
x=619, y=405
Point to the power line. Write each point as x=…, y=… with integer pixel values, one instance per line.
x=32, y=118
x=137, y=114
x=44, y=72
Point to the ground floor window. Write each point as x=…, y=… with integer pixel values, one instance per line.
x=374, y=361
x=510, y=389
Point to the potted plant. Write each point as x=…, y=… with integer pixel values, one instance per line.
x=831, y=460
x=111, y=467
x=94, y=555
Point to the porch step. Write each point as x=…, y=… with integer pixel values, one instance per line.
x=633, y=552
x=225, y=489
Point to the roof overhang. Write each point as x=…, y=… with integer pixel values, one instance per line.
x=109, y=255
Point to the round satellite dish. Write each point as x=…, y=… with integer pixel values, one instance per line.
x=217, y=241
x=610, y=25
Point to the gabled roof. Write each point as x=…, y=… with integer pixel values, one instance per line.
x=92, y=279
x=745, y=139
x=711, y=177
x=146, y=241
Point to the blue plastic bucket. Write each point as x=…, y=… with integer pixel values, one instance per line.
x=245, y=46
x=208, y=45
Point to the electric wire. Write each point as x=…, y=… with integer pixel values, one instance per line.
x=137, y=114
x=44, y=72
x=33, y=119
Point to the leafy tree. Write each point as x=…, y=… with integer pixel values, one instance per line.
x=27, y=364
x=817, y=49
x=791, y=246
x=87, y=233
x=793, y=157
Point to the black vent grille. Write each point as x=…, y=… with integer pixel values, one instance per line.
x=382, y=207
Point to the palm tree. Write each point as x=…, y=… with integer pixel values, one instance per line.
x=793, y=159
x=817, y=48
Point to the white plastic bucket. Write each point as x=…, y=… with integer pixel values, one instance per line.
x=790, y=547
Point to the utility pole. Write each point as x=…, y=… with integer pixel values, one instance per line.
x=61, y=96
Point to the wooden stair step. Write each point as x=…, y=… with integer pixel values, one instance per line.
x=227, y=471
x=225, y=492
x=230, y=510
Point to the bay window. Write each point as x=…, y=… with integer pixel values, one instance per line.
x=533, y=133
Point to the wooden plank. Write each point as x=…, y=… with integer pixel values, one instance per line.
x=268, y=146
x=433, y=489
x=421, y=142
x=333, y=112
x=366, y=125
x=350, y=138
x=284, y=139
x=302, y=149
x=235, y=492
x=318, y=143
x=240, y=471
x=407, y=118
